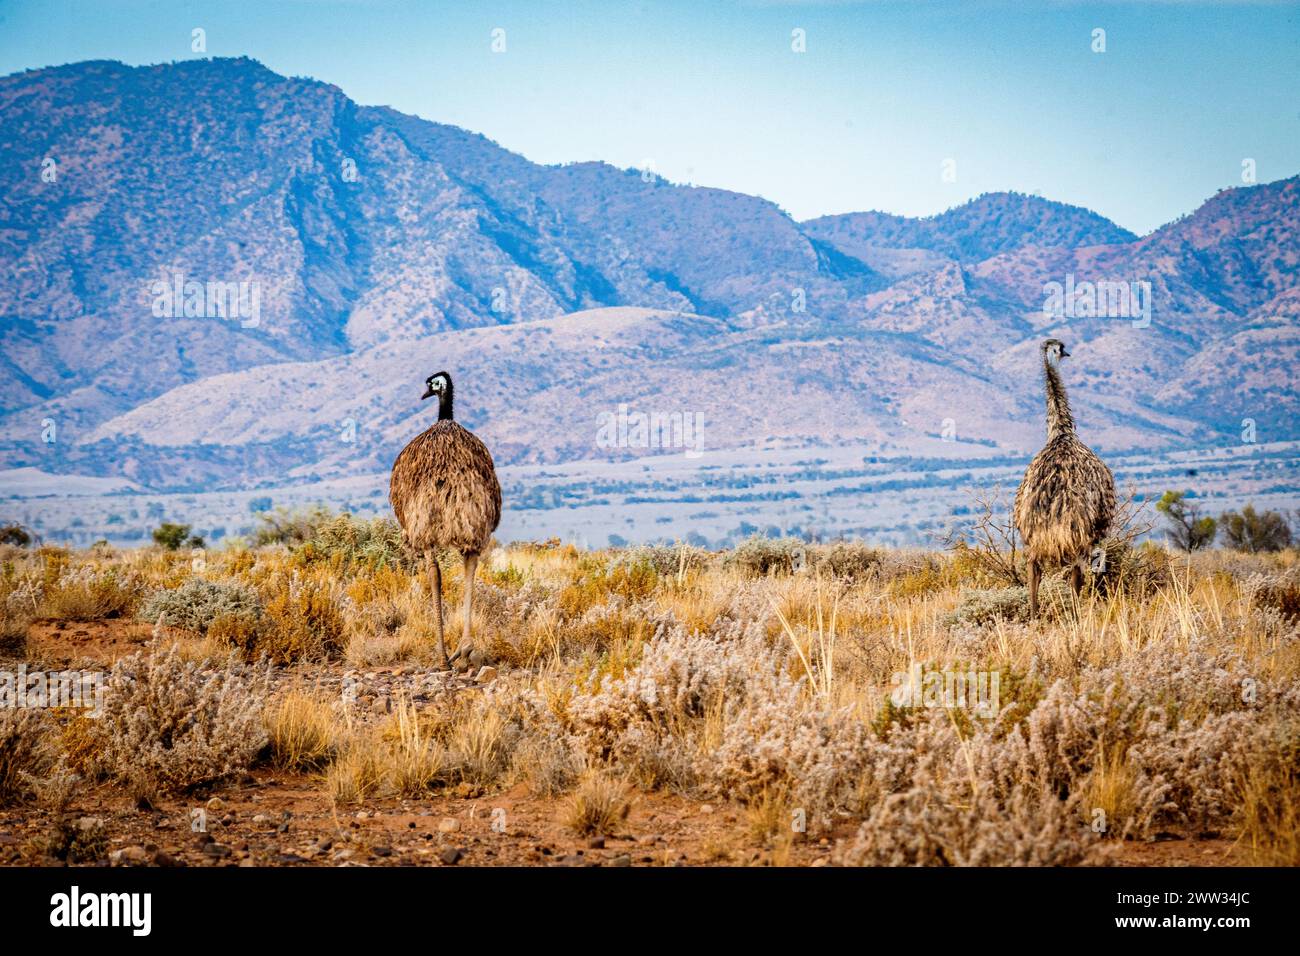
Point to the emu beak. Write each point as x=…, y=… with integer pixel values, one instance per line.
x=1064, y=353
x=428, y=393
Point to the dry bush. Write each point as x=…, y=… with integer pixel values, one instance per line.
x=89, y=594
x=758, y=556
x=300, y=727
x=290, y=527
x=548, y=763
x=197, y=604
x=847, y=560
x=599, y=804
x=668, y=560
x=1279, y=590
x=346, y=541
x=169, y=725
x=15, y=620
x=28, y=752
x=303, y=621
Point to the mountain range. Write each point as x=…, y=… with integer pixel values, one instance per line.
x=370, y=249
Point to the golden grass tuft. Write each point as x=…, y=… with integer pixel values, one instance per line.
x=599, y=804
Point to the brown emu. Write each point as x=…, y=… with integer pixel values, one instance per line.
x=445, y=494
x=1066, y=502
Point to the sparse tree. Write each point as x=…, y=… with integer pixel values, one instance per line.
x=1188, y=529
x=172, y=536
x=15, y=534
x=1254, y=531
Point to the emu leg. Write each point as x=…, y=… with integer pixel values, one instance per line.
x=1076, y=579
x=471, y=566
x=435, y=585
x=1033, y=589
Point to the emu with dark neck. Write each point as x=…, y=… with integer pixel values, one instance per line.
x=1066, y=502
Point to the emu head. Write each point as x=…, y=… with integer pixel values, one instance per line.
x=1054, y=351
x=437, y=384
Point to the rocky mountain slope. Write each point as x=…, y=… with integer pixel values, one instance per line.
x=378, y=248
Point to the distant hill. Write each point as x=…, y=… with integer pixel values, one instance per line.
x=383, y=247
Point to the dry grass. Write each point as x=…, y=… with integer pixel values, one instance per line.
x=1167, y=696
x=301, y=729
x=598, y=805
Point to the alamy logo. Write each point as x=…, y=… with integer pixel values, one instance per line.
x=1106, y=298
x=74, y=908
x=977, y=691
x=37, y=689
x=628, y=429
x=183, y=298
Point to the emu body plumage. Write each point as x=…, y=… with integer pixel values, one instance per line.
x=1066, y=502
x=445, y=494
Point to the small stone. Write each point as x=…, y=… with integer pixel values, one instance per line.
x=216, y=850
x=363, y=815
x=621, y=860
x=820, y=861
x=261, y=819
x=216, y=803
x=130, y=856
x=596, y=843
x=382, y=851
x=485, y=674
x=451, y=855
x=706, y=808
x=448, y=825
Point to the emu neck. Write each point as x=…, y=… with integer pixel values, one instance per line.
x=1059, y=419
x=444, y=405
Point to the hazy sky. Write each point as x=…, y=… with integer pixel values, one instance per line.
x=713, y=93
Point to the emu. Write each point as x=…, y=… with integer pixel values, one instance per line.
x=1066, y=502
x=445, y=494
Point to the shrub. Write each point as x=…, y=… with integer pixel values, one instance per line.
x=303, y=622
x=296, y=527
x=759, y=556
x=88, y=594
x=15, y=619
x=846, y=559
x=977, y=607
x=1280, y=590
x=668, y=560
x=27, y=752
x=170, y=726
x=349, y=541
x=173, y=536
x=1253, y=531
x=197, y=603
x=15, y=535
x=1188, y=529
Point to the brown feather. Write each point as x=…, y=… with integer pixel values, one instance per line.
x=445, y=492
x=1066, y=502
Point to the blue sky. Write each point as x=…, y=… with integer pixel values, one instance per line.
x=712, y=93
